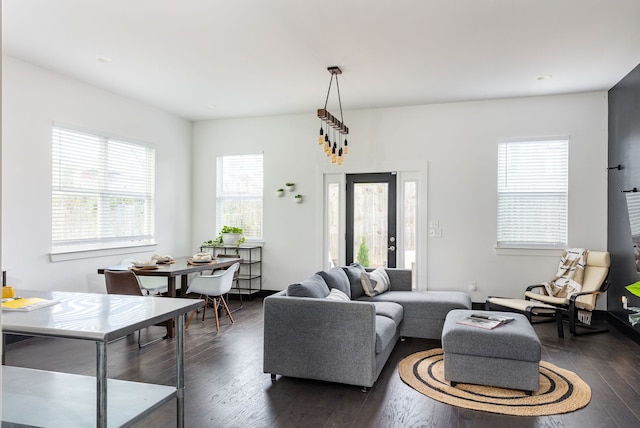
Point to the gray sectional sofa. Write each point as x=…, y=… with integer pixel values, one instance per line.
x=307, y=334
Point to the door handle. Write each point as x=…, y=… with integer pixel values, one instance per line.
x=391, y=248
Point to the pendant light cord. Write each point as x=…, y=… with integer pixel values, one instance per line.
x=329, y=91
x=339, y=100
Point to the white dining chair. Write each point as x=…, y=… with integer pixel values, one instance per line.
x=236, y=276
x=213, y=288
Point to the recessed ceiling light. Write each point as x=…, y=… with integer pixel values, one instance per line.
x=103, y=59
x=211, y=106
x=544, y=77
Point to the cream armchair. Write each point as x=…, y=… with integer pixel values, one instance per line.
x=577, y=307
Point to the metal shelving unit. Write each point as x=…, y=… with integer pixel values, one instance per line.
x=250, y=269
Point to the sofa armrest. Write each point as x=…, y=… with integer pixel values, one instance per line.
x=319, y=339
x=400, y=279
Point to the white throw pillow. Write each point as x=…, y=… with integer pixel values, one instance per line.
x=375, y=283
x=336, y=294
x=382, y=279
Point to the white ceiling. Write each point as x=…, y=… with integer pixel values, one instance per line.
x=268, y=57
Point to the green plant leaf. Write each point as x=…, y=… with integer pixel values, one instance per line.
x=232, y=229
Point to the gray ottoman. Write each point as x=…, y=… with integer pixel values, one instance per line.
x=507, y=356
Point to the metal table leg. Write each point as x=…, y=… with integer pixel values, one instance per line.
x=180, y=369
x=101, y=384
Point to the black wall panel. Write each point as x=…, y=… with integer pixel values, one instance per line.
x=624, y=149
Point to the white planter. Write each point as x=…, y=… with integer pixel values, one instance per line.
x=231, y=238
x=298, y=200
x=280, y=193
x=291, y=188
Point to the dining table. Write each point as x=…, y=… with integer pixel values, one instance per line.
x=177, y=267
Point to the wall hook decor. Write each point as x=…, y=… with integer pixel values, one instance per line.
x=634, y=190
x=618, y=167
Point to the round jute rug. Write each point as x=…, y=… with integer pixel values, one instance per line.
x=561, y=391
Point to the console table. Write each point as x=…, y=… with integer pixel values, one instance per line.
x=32, y=397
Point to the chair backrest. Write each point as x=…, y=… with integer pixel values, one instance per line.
x=230, y=256
x=596, y=271
x=122, y=282
x=214, y=285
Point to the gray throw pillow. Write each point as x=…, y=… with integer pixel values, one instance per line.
x=336, y=278
x=314, y=286
x=354, y=271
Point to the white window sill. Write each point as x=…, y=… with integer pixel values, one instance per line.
x=540, y=252
x=61, y=255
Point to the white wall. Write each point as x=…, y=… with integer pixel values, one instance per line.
x=457, y=141
x=32, y=99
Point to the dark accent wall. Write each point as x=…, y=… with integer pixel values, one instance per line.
x=624, y=149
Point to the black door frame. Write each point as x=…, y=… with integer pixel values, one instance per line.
x=377, y=177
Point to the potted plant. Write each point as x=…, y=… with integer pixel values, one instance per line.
x=290, y=186
x=280, y=192
x=298, y=199
x=231, y=235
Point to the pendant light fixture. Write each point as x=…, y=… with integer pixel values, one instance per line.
x=333, y=131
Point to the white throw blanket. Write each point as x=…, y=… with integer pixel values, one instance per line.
x=570, y=274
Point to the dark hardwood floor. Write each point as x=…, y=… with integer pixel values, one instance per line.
x=225, y=385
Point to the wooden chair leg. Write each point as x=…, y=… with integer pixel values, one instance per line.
x=215, y=312
x=227, y=308
x=204, y=310
x=190, y=318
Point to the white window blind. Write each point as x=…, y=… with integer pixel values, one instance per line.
x=103, y=191
x=633, y=206
x=533, y=193
x=239, y=191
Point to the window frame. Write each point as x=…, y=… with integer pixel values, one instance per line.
x=105, y=237
x=539, y=190
x=239, y=195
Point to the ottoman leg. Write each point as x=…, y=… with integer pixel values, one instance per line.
x=454, y=384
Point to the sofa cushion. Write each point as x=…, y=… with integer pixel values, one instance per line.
x=385, y=332
x=425, y=304
x=336, y=294
x=354, y=272
x=374, y=283
x=314, y=286
x=336, y=278
x=390, y=310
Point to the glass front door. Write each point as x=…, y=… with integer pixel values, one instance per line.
x=371, y=219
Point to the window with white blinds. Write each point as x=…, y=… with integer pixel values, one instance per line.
x=239, y=192
x=103, y=191
x=533, y=193
x=633, y=206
